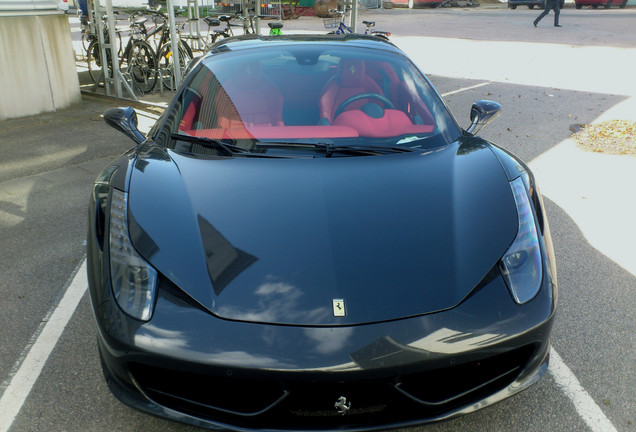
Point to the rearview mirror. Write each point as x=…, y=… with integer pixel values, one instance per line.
x=482, y=113
x=124, y=120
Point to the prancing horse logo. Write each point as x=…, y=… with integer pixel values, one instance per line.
x=342, y=405
x=339, y=308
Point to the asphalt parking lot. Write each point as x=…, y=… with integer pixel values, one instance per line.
x=546, y=79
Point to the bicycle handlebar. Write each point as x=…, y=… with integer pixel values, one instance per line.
x=157, y=12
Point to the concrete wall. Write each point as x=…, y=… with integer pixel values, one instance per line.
x=37, y=65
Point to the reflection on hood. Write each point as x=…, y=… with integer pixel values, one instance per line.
x=223, y=260
x=276, y=301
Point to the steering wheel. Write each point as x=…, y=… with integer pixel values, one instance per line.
x=387, y=103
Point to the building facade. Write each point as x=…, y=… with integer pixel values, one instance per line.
x=37, y=62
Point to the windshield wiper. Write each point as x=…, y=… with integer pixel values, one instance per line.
x=211, y=143
x=369, y=149
x=330, y=149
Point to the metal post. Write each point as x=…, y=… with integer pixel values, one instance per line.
x=354, y=16
x=114, y=49
x=257, y=11
x=99, y=25
x=176, y=60
x=117, y=79
x=193, y=23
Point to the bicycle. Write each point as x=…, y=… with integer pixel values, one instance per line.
x=214, y=34
x=159, y=35
x=163, y=46
x=88, y=30
x=138, y=56
x=341, y=28
x=275, y=28
x=248, y=26
x=247, y=20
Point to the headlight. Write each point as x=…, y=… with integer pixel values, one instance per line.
x=133, y=279
x=521, y=264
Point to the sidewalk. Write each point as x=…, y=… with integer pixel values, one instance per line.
x=596, y=190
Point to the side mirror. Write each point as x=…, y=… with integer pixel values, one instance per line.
x=124, y=120
x=482, y=113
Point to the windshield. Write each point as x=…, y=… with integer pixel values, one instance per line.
x=308, y=93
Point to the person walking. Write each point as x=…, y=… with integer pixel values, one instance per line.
x=84, y=8
x=550, y=5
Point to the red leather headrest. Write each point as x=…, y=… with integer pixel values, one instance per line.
x=351, y=73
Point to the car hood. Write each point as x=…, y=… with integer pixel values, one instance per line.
x=292, y=241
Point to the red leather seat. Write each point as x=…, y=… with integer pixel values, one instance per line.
x=350, y=80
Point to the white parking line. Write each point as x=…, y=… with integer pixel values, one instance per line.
x=466, y=89
x=31, y=365
x=588, y=410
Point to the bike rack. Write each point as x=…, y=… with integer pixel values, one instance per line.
x=118, y=78
x=193, y=23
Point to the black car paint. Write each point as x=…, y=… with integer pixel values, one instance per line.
x=485, y=323
x=279, y=251
x=220, y=347
x=490, y=324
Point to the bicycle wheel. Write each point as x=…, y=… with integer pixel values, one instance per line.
x=166, y=61
x=142, y=66
x=86, y=39
x=184, y=45
x=94, y=63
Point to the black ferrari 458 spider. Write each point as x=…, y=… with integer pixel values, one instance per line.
x=307, y=240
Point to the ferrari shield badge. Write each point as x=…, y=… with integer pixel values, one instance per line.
x=339, y=307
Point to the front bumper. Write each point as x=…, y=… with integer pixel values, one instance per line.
x=231, y=375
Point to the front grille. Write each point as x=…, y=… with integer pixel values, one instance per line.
x=302, y=401
x=458, y=385
x=207, y=396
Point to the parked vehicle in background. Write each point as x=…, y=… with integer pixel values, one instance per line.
x=425, y=3
x=596, y=3
x=512, y=4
